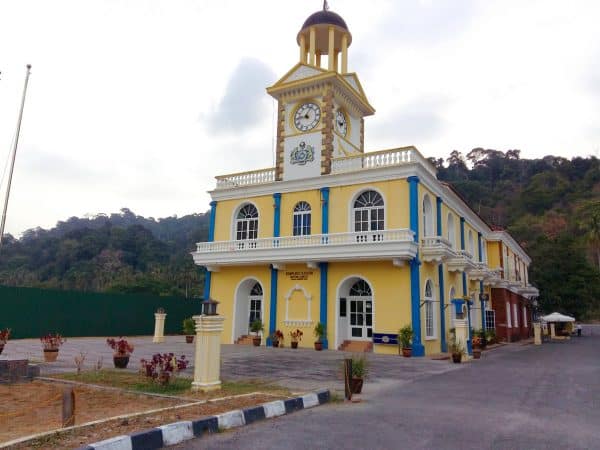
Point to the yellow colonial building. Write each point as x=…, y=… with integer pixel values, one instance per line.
x=362, y=242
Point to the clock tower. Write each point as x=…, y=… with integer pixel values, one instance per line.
x=321, y=106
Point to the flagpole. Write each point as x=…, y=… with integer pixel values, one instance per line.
x=14, y=153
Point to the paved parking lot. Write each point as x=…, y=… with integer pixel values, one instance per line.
x=299, y=370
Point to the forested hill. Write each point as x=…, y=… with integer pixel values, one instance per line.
x=550, y=205
x=552, y=208
x=118, y=253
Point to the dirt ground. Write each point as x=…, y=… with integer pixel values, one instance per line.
x=35, y=407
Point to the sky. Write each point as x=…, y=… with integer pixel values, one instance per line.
x=139, y=104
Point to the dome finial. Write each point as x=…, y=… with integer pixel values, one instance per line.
x=325, y=6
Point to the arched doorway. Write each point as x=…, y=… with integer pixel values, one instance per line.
x=355, y=311
x=248, y=306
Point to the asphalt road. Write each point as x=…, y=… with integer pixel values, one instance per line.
x=517, y=397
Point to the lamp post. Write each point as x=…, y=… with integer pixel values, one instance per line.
x=207, y=359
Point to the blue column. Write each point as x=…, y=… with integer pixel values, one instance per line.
x=324, y=210
x=211, y=238
x=464, y=286
x=276, y=214
x=324, y=267
x=482, y=305
x=443, y=345
x=273, y=306
x=323, y=306
x=211, y=227
x=470, y=340
x=415, y=280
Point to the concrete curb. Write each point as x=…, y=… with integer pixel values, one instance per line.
x=174, y=433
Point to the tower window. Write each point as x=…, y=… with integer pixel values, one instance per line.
x=246, y=223
x=368, y=212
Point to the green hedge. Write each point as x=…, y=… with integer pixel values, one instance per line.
x=30, y=313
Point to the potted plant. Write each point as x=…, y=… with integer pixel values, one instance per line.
x=360, y=370
x=277, y=338
x=122, y=350
x=256, y=327
x=490, y=336
x=456, y=349
x=320, y=333
x=189, y=329
x=4, y=335
x=51, y=343
x=482, y=335
x=296, y=336
x=405, y=337
x=162, y=368
x=476, y=342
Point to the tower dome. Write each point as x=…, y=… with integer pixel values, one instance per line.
x=324, y=33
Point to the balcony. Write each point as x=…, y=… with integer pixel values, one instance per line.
x=462, y=261
x=494, y=278
x=481, y=272
x=529, y=291
x=355, y=163
x=395, y=245
x=436, y=249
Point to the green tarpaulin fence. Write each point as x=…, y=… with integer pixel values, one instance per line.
x=30, y=313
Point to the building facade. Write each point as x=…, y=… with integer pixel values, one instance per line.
x=361, y=242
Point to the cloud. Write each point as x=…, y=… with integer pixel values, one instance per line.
x=245, y=103
x=427, y=22
x=417, y=121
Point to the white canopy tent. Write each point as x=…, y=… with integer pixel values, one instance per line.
x=557, y=317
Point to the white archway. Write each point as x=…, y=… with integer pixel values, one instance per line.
x=451, y=233
x=248, y=301
x=427, y=217
x=355, y=310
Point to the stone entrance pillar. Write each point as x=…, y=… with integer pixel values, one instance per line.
x=552, y=331
x=537, y=333
x=461, y=330
x=207, y=360
x=159, y=327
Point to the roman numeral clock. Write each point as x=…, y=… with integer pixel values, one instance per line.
x=321, y=106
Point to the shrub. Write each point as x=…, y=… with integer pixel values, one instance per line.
x=120, y=346
x=162, y=368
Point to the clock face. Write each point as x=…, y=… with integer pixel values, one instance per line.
x=341, y=124
x=307, y=116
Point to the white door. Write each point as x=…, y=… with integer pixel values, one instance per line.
x=361, y=318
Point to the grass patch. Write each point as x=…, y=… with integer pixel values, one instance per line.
x=179, y=386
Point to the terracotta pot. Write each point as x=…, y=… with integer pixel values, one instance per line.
x=318, y=346
x=256, y=341
x=189, y=339
x=121, y=361
x=356, y=385
x=456, y=358
x=407, y=352
x=476, y=353
x=275, y=343
x=50, y=355
x=294, y=344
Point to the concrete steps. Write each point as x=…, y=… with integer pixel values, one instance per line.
x=356, y=346
x=244, y=340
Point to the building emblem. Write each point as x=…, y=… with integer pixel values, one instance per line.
x=302, y=154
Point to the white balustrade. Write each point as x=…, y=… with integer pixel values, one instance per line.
x=435, y=241
x=315, y=240
x=383, y=158
x=246, y=178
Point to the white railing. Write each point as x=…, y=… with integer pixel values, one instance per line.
x=315, y=240
x=246, y=178
x=382, y=158
x=464, y=254
x=435, y=241
x=363, y=161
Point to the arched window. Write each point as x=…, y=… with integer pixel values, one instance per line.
x=427, y=217
x=246, y=223
x=483, y=251
x=471, y=244
x=360, y=289
x=451, y=233
x=368, y=212
x=452, y=307
x=429, y=311
x=301, y=225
